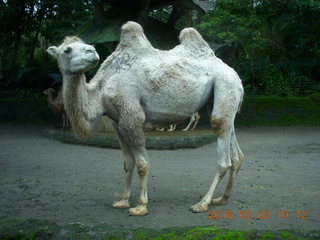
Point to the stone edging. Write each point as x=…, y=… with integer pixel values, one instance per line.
x=154, y=140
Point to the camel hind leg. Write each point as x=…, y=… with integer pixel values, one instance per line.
x=227, y=98
x=236, y=160
x=224, y=164
x=197, y=118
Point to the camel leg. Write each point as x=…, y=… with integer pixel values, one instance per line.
x=63, y=121
x=224, y=164
x=67, y=121
x=142, y=162
x=129, y=164
x=236, y=159
x=222, y=122
x=132, y=132
x=172, y=127
x=196, y=119
x=192, y=119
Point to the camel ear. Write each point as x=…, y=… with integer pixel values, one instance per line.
x=53, y=51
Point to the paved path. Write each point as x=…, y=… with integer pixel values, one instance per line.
x=44, y=178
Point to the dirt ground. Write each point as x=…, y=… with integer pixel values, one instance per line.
x=44, y=178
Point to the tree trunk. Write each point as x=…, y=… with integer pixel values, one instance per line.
x=34, y=41
x=41, y=14
x=99, y=13
x=176, y=14
x=144, y=11
x=18, y=31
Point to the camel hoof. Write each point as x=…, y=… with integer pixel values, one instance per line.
x=199, y=208
x=121, y=204
x=138, y=211
x=220, y=201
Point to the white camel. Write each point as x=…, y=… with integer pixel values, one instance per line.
x=138, y=84
x=193, y=120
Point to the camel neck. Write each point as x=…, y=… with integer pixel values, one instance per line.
x=50, y=98
x=82, y=104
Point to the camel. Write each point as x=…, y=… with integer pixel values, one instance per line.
x=56, y=104
x=137, y=85
x=193, y=120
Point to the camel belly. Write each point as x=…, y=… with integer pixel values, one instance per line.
x=173, y=105
x=164, y=117
x=173, y=90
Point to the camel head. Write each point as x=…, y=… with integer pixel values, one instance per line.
x=74, y=56
x=49, y=91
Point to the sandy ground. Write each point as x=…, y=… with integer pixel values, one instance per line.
x=44, y=178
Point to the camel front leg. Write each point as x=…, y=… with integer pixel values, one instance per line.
x=129, y=164
x=143, y=165
x=64, y=126
x=133, y=134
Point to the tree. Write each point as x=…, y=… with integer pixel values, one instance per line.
x=266, y=41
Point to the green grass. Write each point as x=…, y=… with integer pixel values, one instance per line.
x=23, y=229
x=273, y=111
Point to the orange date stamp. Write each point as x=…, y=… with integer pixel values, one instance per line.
x=258, y=214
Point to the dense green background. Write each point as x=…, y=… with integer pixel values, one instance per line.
x=273, y=44
x=256, y=110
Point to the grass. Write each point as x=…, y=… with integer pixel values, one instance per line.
x=273, y=111
x=20, y=229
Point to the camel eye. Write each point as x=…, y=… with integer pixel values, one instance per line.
x=68, y=50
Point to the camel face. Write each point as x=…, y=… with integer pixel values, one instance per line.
x=75, y=57
x=48, y=91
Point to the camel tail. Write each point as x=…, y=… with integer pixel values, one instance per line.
x=241, y=100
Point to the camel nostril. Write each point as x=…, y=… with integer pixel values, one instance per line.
x=88, y=51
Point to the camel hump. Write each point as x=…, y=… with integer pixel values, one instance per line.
x=132, y=36
x=192, y=39
x=132, y=27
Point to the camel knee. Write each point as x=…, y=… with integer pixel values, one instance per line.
x=218, y=125
x=142, y=169
x=126, y=167
x=223, y=168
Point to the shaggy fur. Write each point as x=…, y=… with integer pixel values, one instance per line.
x=139, y=85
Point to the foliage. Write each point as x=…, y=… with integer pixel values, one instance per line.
x=28, y=27
x=275, y=52
x=273, y=44
x=315, y=97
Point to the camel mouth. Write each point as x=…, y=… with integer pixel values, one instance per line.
x=92, y=62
